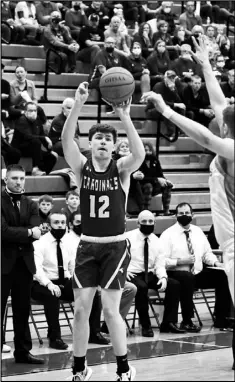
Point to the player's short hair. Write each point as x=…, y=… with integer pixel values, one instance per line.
x=183, y=204
x=228, y=115
x=103, y=128
x=72, y=192
x=46, y=198
x=15, y=167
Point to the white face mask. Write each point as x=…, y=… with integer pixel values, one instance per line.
x=167, y=10
x=220, y=64
x=136, y=51
x=181, y=34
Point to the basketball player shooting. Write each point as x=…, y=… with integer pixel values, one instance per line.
x=103, y=255
x=221, y=181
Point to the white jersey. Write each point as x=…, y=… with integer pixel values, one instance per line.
x=222, y=207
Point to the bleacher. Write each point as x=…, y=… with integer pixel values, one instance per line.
x=184, y=162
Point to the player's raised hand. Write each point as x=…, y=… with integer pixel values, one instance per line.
x=156, y=99
x=202, y=51
x=82, y=93
x=123, y=109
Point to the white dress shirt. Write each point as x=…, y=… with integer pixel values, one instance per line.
x=174, y=243
x=45, y=255
x=156, y=263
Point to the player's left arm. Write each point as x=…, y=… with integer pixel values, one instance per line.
x=199, y=133
x=134, y=160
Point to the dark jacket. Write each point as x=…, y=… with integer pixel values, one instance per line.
x=51, y=38
x=227, y=90
x=180, y=66
x=145, y=48
x=56, y=128
x=152, y=172
x=202, y=101
x=169, y=17
x=15, y=240
x=137, y=65
x=158, y=64
x=26, y=130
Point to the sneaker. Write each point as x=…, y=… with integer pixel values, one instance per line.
x=129, y=376
x=83, y=376
x=6, y=348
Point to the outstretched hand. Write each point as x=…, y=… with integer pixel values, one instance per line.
x=123, y=109
x=202, y=51
x=82, y=93
x=156, y=99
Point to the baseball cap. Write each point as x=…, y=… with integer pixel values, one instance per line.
x=170, y=74
x=55, y=15
x=94, y=17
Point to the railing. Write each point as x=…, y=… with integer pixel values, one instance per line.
x=49, y=67
x=161, y=135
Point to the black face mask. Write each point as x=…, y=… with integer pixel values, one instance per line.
x=58, y=233
x=78, y=229
x=109, y=49
x=77, y=7
x=146, y=229
x=148, y=156
x=56, y=21
x=184, y=219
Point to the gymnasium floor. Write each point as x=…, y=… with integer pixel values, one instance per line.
x=205, y=356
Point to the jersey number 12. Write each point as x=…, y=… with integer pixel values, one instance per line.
x=101, y=213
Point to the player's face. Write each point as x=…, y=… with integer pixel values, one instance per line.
x=73, y=201
x=15, y=181
x=102, y=145
x=45, y=207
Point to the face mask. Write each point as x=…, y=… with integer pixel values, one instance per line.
x=148, y=156
x=161, y=49
x=77, y=7
x=181, y=34
x=137, y=52
x=56, y=21
x=186, y=56
x=77, y=229
x=167, y=10
x=184, y=219
x=109, y=49
x=220, y=64
x=58, y=233
x=146, y=229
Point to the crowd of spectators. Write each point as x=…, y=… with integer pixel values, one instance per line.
x=155, y=46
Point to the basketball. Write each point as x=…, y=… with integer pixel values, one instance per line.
x=117, y=85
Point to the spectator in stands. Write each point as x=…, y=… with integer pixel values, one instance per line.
x=189, y=19
x=91, y=39
x=23, y=91
x=152, y=180
x=162, y=34
x=139, y=70
x=72, y=201
x=107, y=58
x=145, y=13
x=118, y=11
x=98, y=8
x=131, y=12
x=57, y=37
x=228, y=88
x=196, y=31
x=9, y=153
x=75, y=18
x=223, y=41
x=171, y=90
x=186, y=249
x=45, y=205
x=151, y=274
x=145, y=38
x=179, y=37
x=10, y=31
x=158, y=62
x=57, y=125
x=5, y=96
x=19, y=227
x=184, y=66
x=44, y=10
x=196, y=99
x=211, y=40
x=28, y=138
x=53, y=278
x=120, y=38
x=25, y=15
x=165, y=12
x=220, y=67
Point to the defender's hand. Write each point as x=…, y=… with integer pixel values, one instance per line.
x=156, y=99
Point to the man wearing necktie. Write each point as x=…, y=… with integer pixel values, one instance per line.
x=147, y=271
x=186, y=251
x=19, y=227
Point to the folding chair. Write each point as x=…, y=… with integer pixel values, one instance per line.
x=154, y=298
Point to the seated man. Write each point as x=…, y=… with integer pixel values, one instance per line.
x=196, y=99
x=57, y=37
x=75, y=18
x=186, y=249
x=57, y=125
x=44, y=10
x=147, y=271
x=25, y=15
x=189, y=19
x=184, y=66
x=28, y=138
x=91, y=39
x=152, y=180
x=72, y=204
x=228, y=88
x=98, y=8
x=121, y=41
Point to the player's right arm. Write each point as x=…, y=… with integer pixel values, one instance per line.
x=72, y=153
x=217, y=99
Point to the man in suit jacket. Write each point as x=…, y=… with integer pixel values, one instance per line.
x=19, y=227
